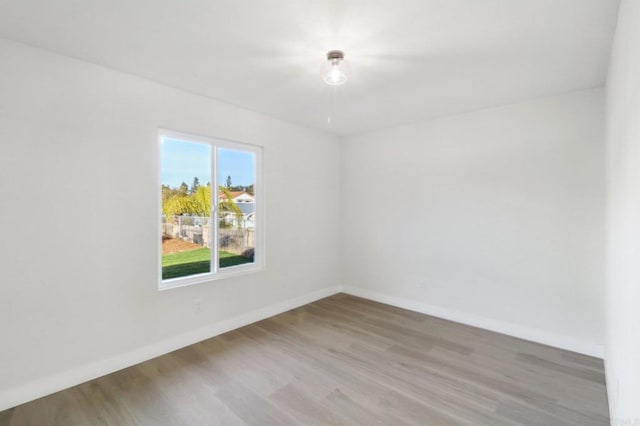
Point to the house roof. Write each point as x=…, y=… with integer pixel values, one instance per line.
x=234, y=194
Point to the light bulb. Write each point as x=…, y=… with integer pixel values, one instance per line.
x=336, y=76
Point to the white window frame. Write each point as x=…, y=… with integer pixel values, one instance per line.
x=216, y=272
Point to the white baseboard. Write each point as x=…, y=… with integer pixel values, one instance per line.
x=54, y=383
x=510, y=329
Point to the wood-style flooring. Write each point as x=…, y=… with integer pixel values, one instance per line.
x=341, y=360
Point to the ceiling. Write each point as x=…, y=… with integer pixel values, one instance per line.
x=410, y=59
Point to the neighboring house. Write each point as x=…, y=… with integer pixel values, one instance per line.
x=245, y=203
x=237, y=196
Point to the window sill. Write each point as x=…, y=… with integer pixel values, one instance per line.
x=228, y=272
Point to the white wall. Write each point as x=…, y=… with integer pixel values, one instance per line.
x=493, y=218
x=78, y=231
x=623, y=219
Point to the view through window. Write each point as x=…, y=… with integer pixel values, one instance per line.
x=209, y=215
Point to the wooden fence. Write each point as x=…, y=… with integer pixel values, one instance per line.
x=233, y=239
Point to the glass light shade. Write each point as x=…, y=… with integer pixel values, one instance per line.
x=333, y=72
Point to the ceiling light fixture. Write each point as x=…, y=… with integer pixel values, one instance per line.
x=333, y=73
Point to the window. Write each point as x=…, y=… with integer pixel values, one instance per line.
x=210, y=209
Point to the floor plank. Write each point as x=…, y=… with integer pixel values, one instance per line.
x=342, y=360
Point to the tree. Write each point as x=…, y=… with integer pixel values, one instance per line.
x=197, y=204
x=167, y=192
x=228, y=182
x=201, y=201
x=177, y=202
x=195, y=185
x=227, y=205
x=176, y=205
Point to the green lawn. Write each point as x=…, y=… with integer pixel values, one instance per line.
x=185, y=263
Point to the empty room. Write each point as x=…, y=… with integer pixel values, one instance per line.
x=320, y=212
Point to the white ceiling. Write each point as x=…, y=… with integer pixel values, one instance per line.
x=410, y=59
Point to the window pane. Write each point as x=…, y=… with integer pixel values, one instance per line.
x=186, y=208
x=236, y=213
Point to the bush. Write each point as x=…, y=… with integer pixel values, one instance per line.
x=225, y=240
x=249, y=253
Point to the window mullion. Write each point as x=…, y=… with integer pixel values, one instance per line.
x=215, y=261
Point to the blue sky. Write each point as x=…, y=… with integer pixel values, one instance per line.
x=237, y=164
x=182, y=160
